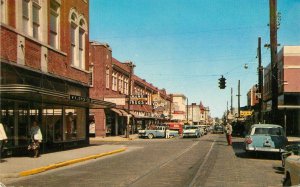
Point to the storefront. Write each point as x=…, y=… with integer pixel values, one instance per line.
x=60, y=106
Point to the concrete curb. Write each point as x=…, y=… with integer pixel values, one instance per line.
x=112, y=140
x=66, y=163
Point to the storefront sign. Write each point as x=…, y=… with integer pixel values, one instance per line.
x=79, y=98
x=138, y=99
x=245, y=113
x=117, y=101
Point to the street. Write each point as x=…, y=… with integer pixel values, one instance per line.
x=205, y=161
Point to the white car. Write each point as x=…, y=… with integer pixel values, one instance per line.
x=191, y=131
x=292, y=170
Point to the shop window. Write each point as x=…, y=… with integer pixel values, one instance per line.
x=54, y=123
x=75, y=123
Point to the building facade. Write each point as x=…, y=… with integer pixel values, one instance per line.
x=179, y=107
x=288, y=90
x=45, y=72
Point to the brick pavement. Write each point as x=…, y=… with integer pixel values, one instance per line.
x=230, y=166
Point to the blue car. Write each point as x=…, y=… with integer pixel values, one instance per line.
x=265, y=138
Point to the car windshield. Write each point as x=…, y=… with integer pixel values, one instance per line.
x=270, y=131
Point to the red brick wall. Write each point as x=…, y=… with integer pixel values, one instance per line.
x=32, y=54
x=100, y=127
x=291, y=75
x=8, y=45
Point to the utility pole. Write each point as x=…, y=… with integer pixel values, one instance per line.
x=260, y=82
x=274, y=67
x=231, y=109
x=131, y=65
x=187, y=110
x=239, y=95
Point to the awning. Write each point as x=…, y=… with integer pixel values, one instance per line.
x=288, y=107
x=37, y=94
x=134, y=114
x=117, y=111
x=124, y=112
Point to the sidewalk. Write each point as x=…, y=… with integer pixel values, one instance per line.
x=13, y=167
x=115, y=138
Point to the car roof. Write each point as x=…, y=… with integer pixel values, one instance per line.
x=265, y=126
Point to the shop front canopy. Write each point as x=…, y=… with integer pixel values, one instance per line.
x=37, y=94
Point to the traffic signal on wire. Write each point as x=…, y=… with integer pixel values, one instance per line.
x=222, y=83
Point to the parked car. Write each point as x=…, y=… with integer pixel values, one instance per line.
x=292, y=167
x=191, y=131
x=293, y=149
x=158, y=131
x=218, y=129
x=265, y=138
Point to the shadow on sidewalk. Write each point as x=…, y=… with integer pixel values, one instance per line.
x=239, y=151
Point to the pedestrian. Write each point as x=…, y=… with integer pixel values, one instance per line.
x=3, y=139
x=228, y=129
x=167, y=132
x=36, y=138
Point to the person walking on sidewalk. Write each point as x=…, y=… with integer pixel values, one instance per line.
x=228, y=129
x=36, y=138
x=3, y=139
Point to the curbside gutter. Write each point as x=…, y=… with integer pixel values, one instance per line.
x=66, y=163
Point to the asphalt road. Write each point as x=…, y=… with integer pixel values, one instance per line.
x=205, y=161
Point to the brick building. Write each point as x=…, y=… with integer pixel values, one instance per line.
x=45, y=71
x=111, y=80
x=288, y=90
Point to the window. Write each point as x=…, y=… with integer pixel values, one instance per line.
x=25, y=14
x=3, y=11
x=35, y=19
x=81, y=49
x=114, y=81
x=126, y=86
x=78, y=31
x=107, y=77
x=91, y=79
x=54, y=26
x=121, y=84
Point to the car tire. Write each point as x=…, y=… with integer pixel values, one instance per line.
x=150, y=136
x=287, y=182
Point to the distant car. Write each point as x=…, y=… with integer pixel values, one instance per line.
x=191, y=131
x=218, y=129
x=202, y=129
x=265, y=138
x=292, y=170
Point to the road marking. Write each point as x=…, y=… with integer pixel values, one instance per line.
x=193, y=183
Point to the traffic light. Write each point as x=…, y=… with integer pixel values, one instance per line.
x=222, y=83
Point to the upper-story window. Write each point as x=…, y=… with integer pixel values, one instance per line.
x=107, y=77
x=121, y=84
x=114, y=81
x=126, y=85
x=31, y=15
x=78, y=32
x=54, y=24
x=3, y=11
x=25, y=15
x=35, y=18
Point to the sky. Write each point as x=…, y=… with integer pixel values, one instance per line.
x=185, y=46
